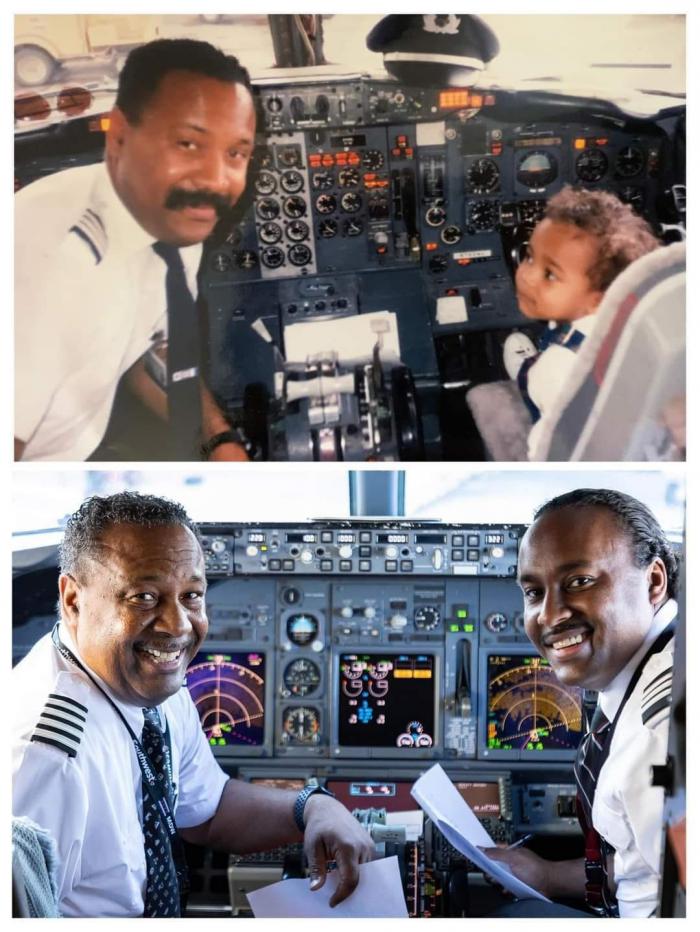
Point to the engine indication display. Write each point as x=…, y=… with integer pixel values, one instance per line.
x=528, y=708
x=386, y=701
x=229, y=693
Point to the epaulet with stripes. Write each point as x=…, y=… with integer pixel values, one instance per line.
x=61, y=723
x=92, y=232
x=656, y=698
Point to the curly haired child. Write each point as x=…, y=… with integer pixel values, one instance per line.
x=583, y=242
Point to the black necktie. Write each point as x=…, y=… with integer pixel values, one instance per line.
x=591, y=755
x=184, y=397
x=162, y=892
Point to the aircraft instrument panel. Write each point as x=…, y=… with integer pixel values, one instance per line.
x=404, y=207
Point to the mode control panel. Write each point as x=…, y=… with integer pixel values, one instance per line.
x=401, y=548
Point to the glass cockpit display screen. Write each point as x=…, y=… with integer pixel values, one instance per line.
x=484, y=798
x=386, y=700
x=228, y=690
x=528, y=708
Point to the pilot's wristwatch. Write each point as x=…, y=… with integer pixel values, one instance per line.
x=300, y=802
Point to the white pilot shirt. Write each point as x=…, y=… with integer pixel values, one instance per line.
x=627, y=809
x=89, y=301
x=92, y=803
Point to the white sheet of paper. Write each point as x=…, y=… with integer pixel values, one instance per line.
x=352, y=339
x=379, y=894
x=440, y=800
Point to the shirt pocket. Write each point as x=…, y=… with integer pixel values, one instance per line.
x=612, y=826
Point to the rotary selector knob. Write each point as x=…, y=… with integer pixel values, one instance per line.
x=392, y=552
x=251, y=550
x=496, y=622
x=398, y=621
x=345, y=551
x=346, y=611
x=426, y=618
x=307, y=556
x=370, y=612
x=218, y=545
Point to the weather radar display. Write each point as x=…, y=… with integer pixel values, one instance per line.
x=229, y=693
x=528, y=708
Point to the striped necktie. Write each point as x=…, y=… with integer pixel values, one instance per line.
x=589, y=760
x=184, y=396
x=162, y=896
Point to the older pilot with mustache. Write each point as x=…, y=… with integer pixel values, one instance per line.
x=108, y=752
x=599, y=579
x=107, y=257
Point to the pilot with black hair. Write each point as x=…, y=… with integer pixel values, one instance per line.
x=107, y=258
x=599, y=582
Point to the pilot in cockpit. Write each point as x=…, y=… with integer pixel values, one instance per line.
x=585, y=239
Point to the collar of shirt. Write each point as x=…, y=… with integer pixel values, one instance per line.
x=132, y=713
x=609, y=699
x=126, y=235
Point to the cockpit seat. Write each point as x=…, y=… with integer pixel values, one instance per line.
x=625, y=399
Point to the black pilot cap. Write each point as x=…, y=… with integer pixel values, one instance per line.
x=439, y=48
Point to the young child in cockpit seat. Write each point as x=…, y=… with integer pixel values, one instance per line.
x=583, y=242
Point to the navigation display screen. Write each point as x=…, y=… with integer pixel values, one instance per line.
x=528, y=708
x=228, y=690
x=387, y=700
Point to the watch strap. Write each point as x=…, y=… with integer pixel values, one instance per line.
x=300, y=802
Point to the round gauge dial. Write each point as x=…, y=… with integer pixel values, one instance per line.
x=289, y=157
x=427, y=617
x=246, y=259
x=537, y=169
x=632, y=196
x=483, y=176
x=531, y=212
x=372, y=159
x=353, y=227
x=326, y=203
x=267, y=209
x=302, y=629
x=629, y=162
x=496, y=622
x=265, y=183
x=295, y=206
x=451, y=235
x=301, y=725
x=483, y=215
x=272, y=257
x=299, y=254
x=297, y=230
x=327, y=228
x=301, y=677
x=323, y=180
x=348, y=177
x=292, y=181
x=270, y=233
x=591, y=165
x=351, y=202
x=435, y=216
